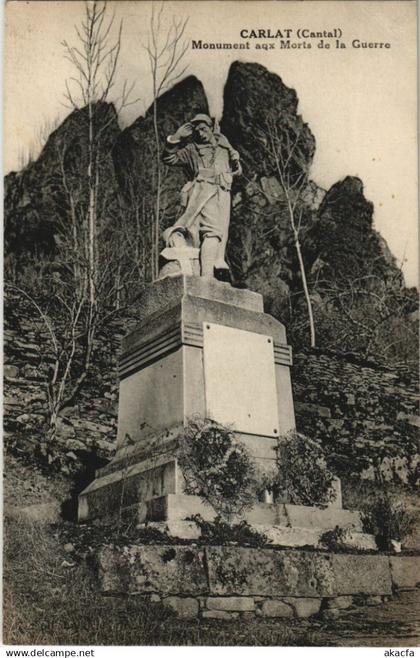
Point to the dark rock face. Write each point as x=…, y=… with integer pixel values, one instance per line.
x=252, y=97
x=343, y=237
x=258, y=106
x=36, y=202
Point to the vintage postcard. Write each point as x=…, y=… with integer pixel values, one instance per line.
x=211, y=324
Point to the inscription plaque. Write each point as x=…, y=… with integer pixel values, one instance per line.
x=239, y=379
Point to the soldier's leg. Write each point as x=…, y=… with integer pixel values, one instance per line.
x=208, y=255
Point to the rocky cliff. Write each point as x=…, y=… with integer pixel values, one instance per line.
x=336, y=227
x=36, y=199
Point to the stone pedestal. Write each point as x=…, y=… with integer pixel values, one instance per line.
x=201, y=348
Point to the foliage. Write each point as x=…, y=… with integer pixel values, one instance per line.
x=334, y=540
x=388, y=519
x=219, y=532
x=217, y=467
x=303, y=476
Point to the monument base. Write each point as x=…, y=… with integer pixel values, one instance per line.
x=150, y=491
x=201, y=349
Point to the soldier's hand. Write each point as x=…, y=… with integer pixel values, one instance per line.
x=236, y=168
x=184, y=131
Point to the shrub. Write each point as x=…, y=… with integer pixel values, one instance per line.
x=387, y=519
x=303, y=477
x=335, y=539
x=217, y=467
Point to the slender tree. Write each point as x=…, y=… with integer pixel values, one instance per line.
x=282, y=144
x=85, y=286
x=95, y=59
x=166, y=49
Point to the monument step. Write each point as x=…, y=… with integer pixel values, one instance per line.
x=281, y=536
x=182, y=507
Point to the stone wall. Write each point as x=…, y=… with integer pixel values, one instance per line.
x=360, y=412
x=222, y=582
x=90, y=424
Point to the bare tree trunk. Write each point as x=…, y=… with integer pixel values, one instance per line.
x=305, y=287
x=166, y=49
x=158, y=194
x=292, y=194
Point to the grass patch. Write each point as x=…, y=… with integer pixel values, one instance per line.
x=51, y=597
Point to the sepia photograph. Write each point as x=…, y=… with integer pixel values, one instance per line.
x=210, y=324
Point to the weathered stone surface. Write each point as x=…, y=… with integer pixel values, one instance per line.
x=165, y=293
x=272, y=608
x=359, y=541
x=337, y=501
x=340, y=602
x=244, y=571
x=364, y=574
x=176, y=529
x=155, y=598
x=373, y=600
x=266, y=515
x=351, y=541
x=304, y=607
x=130, y=485
x=164, y=569
x=240, y=576
x=10, y=371
x=231, y=603
x=177, y=507
x=219, y=614
x=290, y=537
x=405, y=571
x=184, y=607
x=414, y=420
x=301, y=516
x=331, y=614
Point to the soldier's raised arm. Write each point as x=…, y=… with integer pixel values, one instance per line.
x=176, y=151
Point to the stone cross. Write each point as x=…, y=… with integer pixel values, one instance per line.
x=180, y=260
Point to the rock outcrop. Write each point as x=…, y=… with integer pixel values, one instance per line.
x=37, y=201
x=343, y=237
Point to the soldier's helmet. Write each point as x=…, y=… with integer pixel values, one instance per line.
x=202, y=118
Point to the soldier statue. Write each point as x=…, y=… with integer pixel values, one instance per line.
x=210, y=163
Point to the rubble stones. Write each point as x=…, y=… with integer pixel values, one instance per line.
x=405, y=571
x=184, y=607
x=305, y=607
x=231, y=603
x=273, y=608
x=374, y=413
